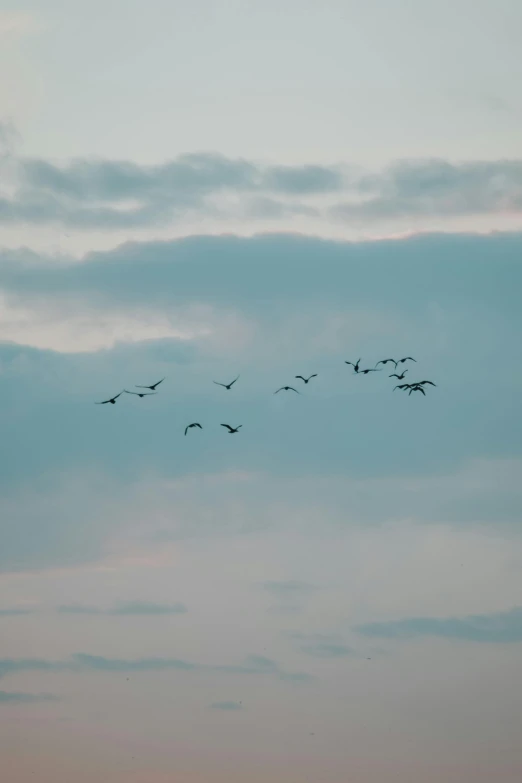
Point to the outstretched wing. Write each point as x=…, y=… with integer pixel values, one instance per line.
x=410, y=358
x=430, y=383
x=292, y=388
x=281, y=389
x=219, y=384
x=313, y=376
x=385, y=361
x=402, y=386
x=129, y=392
x=196, y=424
x=233, y=382
x=227, y=426
x=102, y=403
x=187, y=429
x=300, y=376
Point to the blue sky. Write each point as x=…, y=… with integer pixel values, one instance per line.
x=210, y=190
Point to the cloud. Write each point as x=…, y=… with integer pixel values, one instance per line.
x=322, y=645
x=15, y=612
x=289, y=589
x=79, y=662
x=14, y=697
x=226, y=705
x=145, y=608
x=498, y=628
x=115, y=194
x=130, y=608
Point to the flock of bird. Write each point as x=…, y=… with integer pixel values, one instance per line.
x=417, y=386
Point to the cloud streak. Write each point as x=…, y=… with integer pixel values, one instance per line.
x=118, y=194
x=127, y=608
x=83, y=662
x=498, y=628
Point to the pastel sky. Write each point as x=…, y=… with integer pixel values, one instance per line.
x=203, y=190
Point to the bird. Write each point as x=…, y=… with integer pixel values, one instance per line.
x=401, y=361
x=287, y=388
x=307, y=379
x=112, y=400
x=421, y=383
x=152, y=388
x=227, y=386
x=355, y=366
x=399, y=377
x=385, y=361
x=365, y=372
x=230, y=429
x=195, y=424
x=416, y=388
x=141, y=394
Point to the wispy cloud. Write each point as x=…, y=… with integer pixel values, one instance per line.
x=126, y=608
x=226, y=705
x=114, y=194
x=322, y=645
x=14, y=697
x=499, y=628
x=252, y=665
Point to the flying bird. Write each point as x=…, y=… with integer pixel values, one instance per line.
x=141, y=394
x=194, y=424
x=112, y=400
x=287, y=388
x=230, y=429
x=399, y=377
x=307, y=379
x=401, y=361
x=355, y=366
x=152, y=388
x=386, y=361
x=227, y=386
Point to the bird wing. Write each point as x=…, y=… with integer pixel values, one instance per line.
x=410, y=358
x=281, y=389
x=353, y=365
x=187, y=429
x=129, y=392
x=313, y=376
x=218, y=383
x=227, y=426
x=402, y=386
x=233, y=382
x=430, y=383
x=292, y=388
x=300, y=376
x=142, y=387
x=116, y=397
x=102, y=403
x=196, y=424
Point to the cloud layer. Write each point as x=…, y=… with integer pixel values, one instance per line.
x=111, y=194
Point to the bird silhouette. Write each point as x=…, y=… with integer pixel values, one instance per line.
x=112, y=400
x=386, y=361
x=371, y=369
x=152, y=388
x=399, y=377
x=402, y=386
x=401, y=361
x=287, y=388
x=141, y=394
x=355, y=366
x=307, y=379
x=227, y=386
x=230, y=429
x=194, y=424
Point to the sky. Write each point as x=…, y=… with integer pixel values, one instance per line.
x=199, y=191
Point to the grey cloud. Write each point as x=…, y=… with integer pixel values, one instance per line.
x=289, y=589
x=145, y=608
x=14, y=697
x=226, y=705
x=322, y=645
x=253, y=664
x=15, y=612
x=110, y=194
x=140, y=608
x=499, y=628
